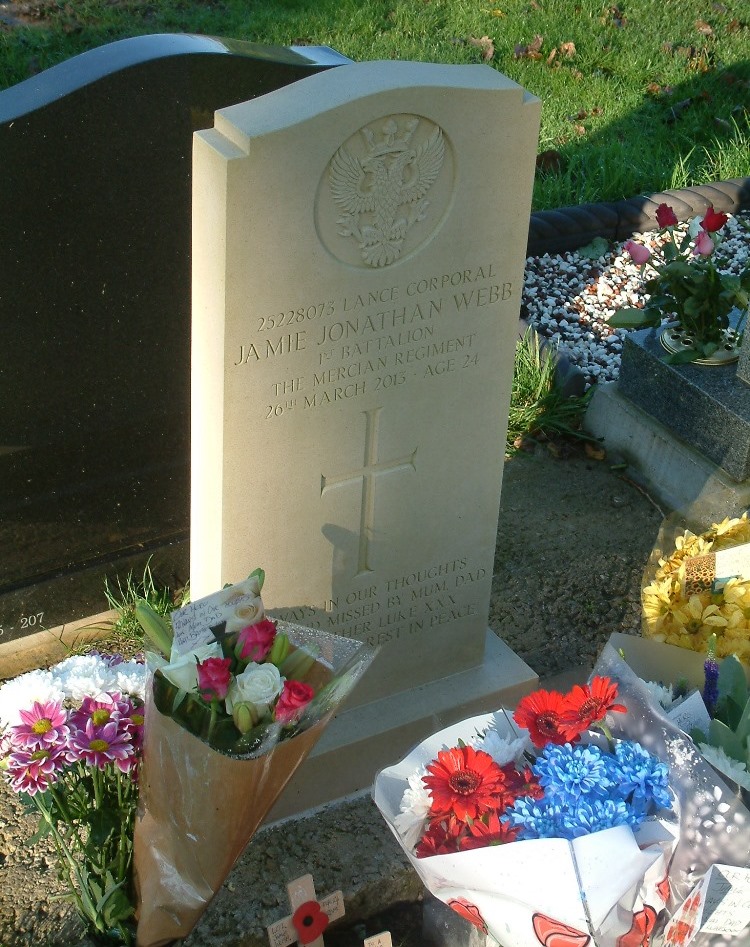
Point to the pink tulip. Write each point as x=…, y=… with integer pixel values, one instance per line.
x=638, y=253
x=665, y=216
x=704, y=245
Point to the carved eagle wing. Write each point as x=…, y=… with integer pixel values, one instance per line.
x=425, y=167
x=347, y=179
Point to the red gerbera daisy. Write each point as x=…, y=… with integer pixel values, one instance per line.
x=521, y=783
x=583, y=706
x=441, y=838
x=488, y=830
x=463, y=781
x=539, y=713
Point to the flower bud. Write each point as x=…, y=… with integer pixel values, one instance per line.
x=245, y=716
x=279, y=649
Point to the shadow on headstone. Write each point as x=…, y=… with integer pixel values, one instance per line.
x=95, y=225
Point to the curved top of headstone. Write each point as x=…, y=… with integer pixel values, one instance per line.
x=95, y=64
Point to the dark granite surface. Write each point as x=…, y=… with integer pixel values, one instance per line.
x=95, y=230
x=705, y=406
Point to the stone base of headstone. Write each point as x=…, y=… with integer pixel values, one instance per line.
x=675, y=474
x=364, y=739
x=702, y=405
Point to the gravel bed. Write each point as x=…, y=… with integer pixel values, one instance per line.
x=569, y=298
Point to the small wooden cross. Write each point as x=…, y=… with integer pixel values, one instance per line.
x=309, y=917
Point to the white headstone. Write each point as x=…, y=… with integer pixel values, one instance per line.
x=359, y=242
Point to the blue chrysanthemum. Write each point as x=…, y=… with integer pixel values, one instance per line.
x=593, y=815
x=641, y=777
x=535, y=818
x=568, y=773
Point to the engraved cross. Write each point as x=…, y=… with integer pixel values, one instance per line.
x=370, y=469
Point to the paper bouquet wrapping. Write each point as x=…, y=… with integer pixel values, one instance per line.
x=613, y=887
x=199, y=806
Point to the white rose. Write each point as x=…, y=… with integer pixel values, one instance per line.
x=258, y=684
x=247, y=612
x=182, y=671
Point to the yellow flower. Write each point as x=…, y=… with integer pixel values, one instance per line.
x=699, y=612
x=659, y=601
x=687, y=546
x=731, y=532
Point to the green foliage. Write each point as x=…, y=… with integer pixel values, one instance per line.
x=637, y=98
x=537, y=406
x=730, y=728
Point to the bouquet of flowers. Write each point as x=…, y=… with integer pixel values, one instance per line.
x=511, y=821
x=230, y=716
x=689, y=283
x=679, y=608
x=70, y=746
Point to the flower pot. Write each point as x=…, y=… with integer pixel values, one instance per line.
x=676, y=339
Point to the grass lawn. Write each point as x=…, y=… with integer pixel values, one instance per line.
x=637, y=96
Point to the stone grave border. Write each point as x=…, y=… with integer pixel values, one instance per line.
x=550, y=231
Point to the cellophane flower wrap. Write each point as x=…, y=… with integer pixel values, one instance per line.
x=714, y=824
x=672, y=614
x=70, y=747
x=229, y=718
x=539, y=834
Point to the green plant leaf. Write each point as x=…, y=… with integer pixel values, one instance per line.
x=721, y=736
x=592, y=251
x=633, y=319
x=732, y=680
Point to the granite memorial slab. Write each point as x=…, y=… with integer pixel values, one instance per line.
x=95, y=305
x=707, y=407
x=358, y=257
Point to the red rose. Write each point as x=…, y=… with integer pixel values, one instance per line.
x=713, y=221
x=213, y=678
x=665, y=216
x=255, y=641
x=294, y=698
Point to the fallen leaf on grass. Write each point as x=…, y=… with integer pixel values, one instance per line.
x=705, y=29
x=568, y=49
x=735, y=25
x=579, y=129
x=485, y=44
x=531, y=50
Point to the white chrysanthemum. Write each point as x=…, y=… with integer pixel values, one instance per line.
x=83, y=675
x=21, y=692
x=660, y=694
x=128, y=678
x=415, y=807
x=501, y=749
x=725, y=764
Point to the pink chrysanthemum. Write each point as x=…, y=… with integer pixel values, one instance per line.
x=98, y=746
x=42, y=727
x=100, y=710
x=34, y=771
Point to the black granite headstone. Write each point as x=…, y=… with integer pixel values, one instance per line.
x=95, y=226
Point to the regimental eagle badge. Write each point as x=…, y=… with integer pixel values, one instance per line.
x=383, y=192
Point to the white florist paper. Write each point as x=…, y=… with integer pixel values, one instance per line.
x=522, y=893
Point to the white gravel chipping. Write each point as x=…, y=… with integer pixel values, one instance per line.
x=569, y=298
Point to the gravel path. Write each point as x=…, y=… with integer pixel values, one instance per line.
x=569, y=298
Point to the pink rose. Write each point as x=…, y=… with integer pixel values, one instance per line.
x=638, y=253
x=255, y=641
x=712, y=221
x=294, y=698
x=665, y=216
x=213, y=678
x=704, y=245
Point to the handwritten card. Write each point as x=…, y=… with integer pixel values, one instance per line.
x=690, y=714
x=192, y=624
x=719, y=904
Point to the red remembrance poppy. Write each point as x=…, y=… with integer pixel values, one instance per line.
x=641, y=929
x=309, y=921
x=554, y=933
x=539, y=712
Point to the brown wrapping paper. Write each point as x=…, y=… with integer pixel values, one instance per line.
x=197, y=812
x=198, y=808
